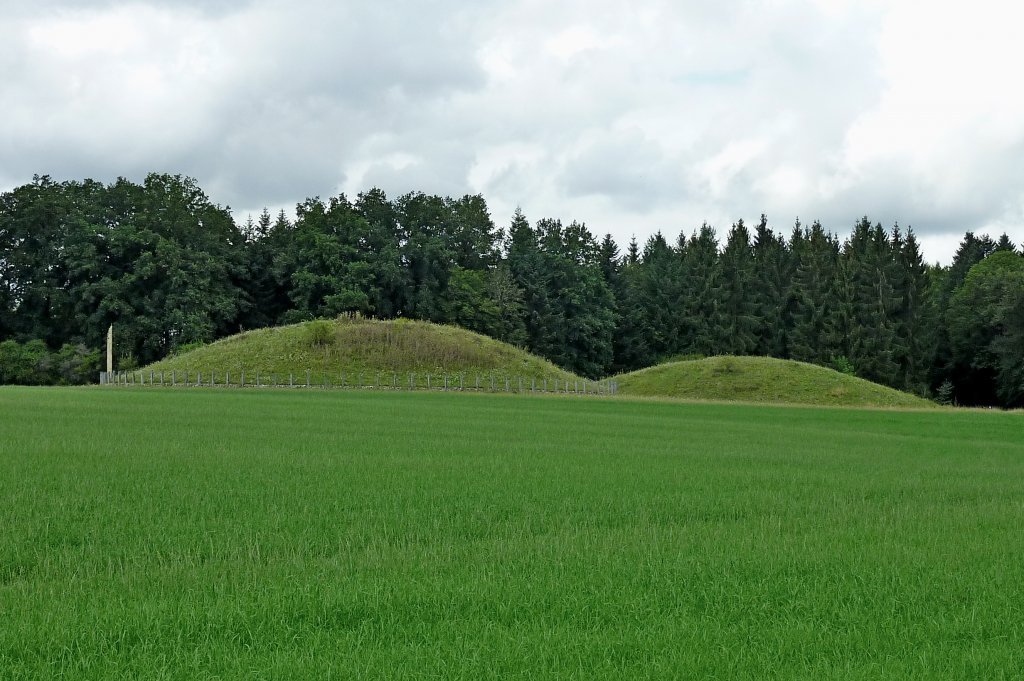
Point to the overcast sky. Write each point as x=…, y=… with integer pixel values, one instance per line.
x=628, y=116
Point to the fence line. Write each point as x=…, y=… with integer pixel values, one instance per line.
x=442, y=382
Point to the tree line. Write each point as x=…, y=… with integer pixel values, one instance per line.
x=170, y=268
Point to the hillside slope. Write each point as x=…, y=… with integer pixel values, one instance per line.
x=761, y=379
x=364, y=351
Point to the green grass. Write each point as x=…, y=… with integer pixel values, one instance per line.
x=342, y=534
x=364, y=351
x=761, y=379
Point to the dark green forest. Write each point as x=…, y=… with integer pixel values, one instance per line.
x=170, y=269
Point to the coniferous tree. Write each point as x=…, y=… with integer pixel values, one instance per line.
x=873, y=351
x=631, y=343
x=585, y=319
x=659, y=290
x=531, y=276
x=1005, y=244
x=772, y=277
x=914, y=317
x=633, y=252
x=266, y=293
x=739, y=311
x=700, y=320
x=841, y=318
x=816, y=254
x=510, y=325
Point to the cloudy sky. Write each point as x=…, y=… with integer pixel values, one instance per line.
x=629, y=116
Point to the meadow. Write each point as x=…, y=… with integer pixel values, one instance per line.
x=247, y=534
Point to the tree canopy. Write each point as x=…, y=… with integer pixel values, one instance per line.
x=168, y=267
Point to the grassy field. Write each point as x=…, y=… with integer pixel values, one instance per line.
x=762, y=379
x=315, y=534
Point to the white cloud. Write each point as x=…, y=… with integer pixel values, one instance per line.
x=629, y=116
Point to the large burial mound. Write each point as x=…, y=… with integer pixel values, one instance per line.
x=361, y=351
x=761, y=379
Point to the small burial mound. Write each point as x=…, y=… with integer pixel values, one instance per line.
x=363, y=352
x=761, y=379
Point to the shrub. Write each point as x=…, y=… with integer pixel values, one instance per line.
x=320, y=333
x=33, y=363
x=187, y=347
x=843, y=365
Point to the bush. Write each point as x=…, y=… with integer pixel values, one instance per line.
x=843, y=365
x=320, y=333
x=187, y=347
x=76, y=364
x=33, y=363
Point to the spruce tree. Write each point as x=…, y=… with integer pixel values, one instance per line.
x=531, y=276
x=914, y=322
x=869, y=256
x=740, y=320
x=1005, y=244
x=659, y=291
x=701, y=326
x=816, y=255
x=772, y=277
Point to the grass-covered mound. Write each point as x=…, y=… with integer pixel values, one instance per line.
x=363, y=351
x=761, y=379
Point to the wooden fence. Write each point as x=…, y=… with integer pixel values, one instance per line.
x=475, y=382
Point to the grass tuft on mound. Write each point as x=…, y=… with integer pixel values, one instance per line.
x=362, y=349
x=761, y=379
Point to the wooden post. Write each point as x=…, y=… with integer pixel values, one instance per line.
x=307, y=378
